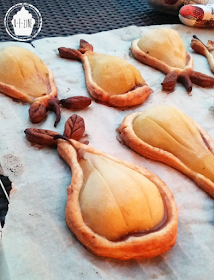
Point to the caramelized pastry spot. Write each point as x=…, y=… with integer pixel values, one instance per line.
x=113, y=74
x=25, y=71
x=116, y=200
x=166, y=45
x=171, y=130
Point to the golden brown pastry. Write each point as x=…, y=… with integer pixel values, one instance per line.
x=163, y=49
x=206, y=50
x=24, y=77
x=166, y=134
x=109, y=79
x=115, y=208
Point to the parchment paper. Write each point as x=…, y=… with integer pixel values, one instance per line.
x=36, y=243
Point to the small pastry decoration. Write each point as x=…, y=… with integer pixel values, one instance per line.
x=23, y=76
x=163, y=49
x=206, y=50
x=115, y=208
x=109, y=79
x=166, y=134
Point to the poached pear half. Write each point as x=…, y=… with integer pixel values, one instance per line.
x=163, y=49
x=109, y=79
x=24, y=77
x=168, y=135
x=115, y=208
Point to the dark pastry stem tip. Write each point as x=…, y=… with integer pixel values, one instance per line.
x=53, y=105
x=59, y=136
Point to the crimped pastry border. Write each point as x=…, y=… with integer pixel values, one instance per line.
x=131, y=98
x=13, y=92
x=158, y=64
x=130, y=138
x=146, y=246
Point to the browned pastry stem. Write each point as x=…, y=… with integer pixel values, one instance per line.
x=206, y=50
x=53, y=105
x=133, y=97
x=186, y=82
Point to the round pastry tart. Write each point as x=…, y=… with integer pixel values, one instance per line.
x=115, y=208
x=109, y=79
x=163, y=49
x=23, y=76
x=168, y=135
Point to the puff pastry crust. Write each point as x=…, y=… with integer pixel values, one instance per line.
x=133, y=97
x=177, y=73
x=130, y=98
x=17, y=94
x=135, y=143
x=146, y=246
x=26, y=78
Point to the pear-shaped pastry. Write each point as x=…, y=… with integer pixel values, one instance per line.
x=24, y=77
x=115, y=208
x=206, y=50
x=163, y=49
x=166, y=134
x=109, y=79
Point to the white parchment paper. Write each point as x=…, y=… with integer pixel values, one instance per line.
x=36, y=243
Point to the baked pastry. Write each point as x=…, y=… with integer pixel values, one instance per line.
x=23, y=76
x=163, y=49
x=166, y=134
x=115, y=208
x=109, y=79
x=206, y=50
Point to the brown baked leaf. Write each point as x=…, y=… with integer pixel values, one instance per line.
x=170, y=81
x=201, y=79
x=70, y=53
x=85, y=46
x=74, y=127
x=76, y=102
x=41, y=136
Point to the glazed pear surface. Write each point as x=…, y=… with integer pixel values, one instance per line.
x=113, y=74
x=171, y=130
x=166, y=45
x=25, y=71
x=116, y=200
